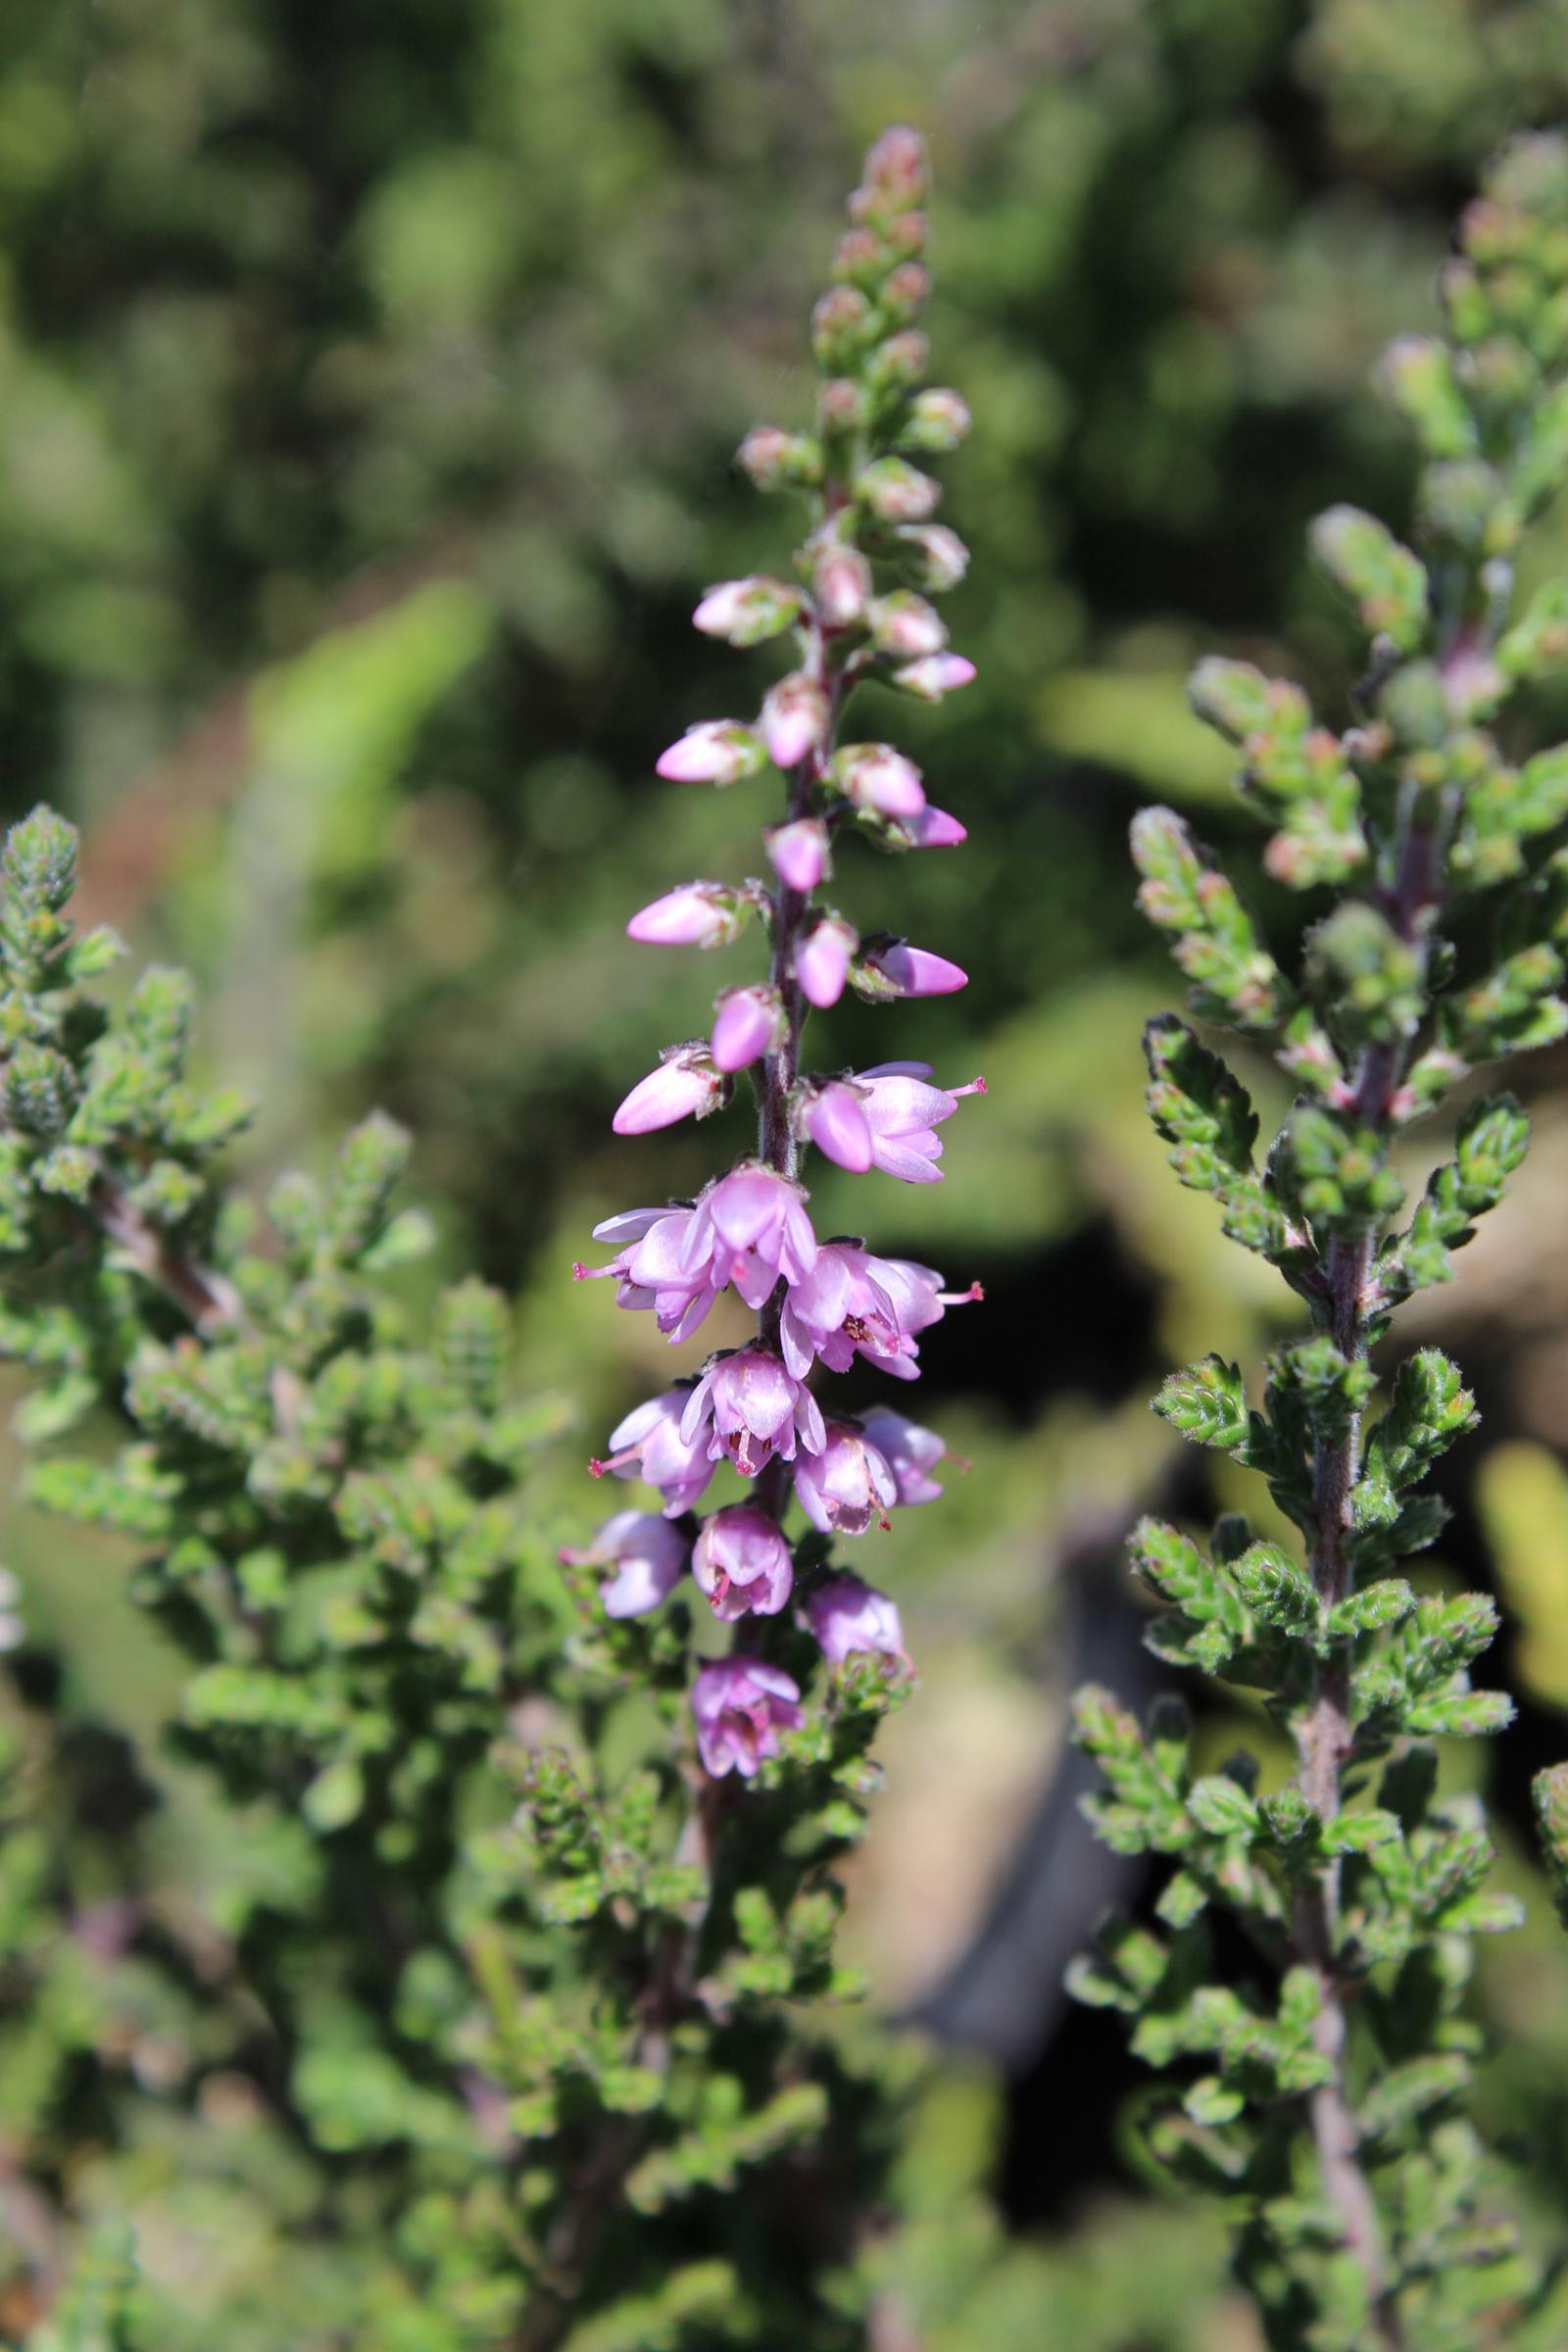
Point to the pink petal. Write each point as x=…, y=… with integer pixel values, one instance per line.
x=671, y=1092
x=837, y=1125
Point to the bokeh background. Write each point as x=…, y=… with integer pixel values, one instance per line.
x=369, y=377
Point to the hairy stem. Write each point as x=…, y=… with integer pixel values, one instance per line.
x=1324, y=1734
x=208, y=1299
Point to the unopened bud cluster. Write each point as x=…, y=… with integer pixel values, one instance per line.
x=858, y=608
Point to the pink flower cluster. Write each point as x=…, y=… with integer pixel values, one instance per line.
x=872, y=561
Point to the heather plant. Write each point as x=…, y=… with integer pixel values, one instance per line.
x=504, y=1999
x=1328, y=2052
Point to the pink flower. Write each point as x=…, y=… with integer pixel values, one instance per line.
x=743, y=1563
x=747, y=612
x=906, y=971
x=849, y=1617
x=624, y=1232
x=847, y=1483
x=748, y=1229
x=794, y=720
x=749, y=1024
x=741, y=1707
x=843, y=1306
x=647, y=1554
x=720, y=750
x=822, y=960
x=651, y=1274
x=901, y=1109
x=909, y=1450
x=854, y=1303
x=648, y=1445
x=876, y=777
x=935, y=675
x=684, y=1084
x=751, y=1409
x=834, y=1120
x=700, y=914
x=799, y=852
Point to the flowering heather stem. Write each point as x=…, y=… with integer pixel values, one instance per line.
x=857, y=614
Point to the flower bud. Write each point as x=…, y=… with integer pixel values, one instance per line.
x=901, y=360
x=700, y=914
x=897, y=172
x=822, y=960
x=843, y=406
x=908, y=287
x=840, y=324
x=895, y=968
x=938, y=421
x=780, y=461
x=905, y=625
x=935, y=675
x=832, y=1117
x=858, y=258
x=933, y=829
x=874, y=776
x=747, y=612
x=935, y=558
x=798, y=853
x=749, y=1024
x=743, y=1563
x=684, y=1086
x=895, y=492
x=905, y=236
x=841, y=582
x=794, y=720
x=720, y=751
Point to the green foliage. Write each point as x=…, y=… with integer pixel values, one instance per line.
x=492, y=1965
x=1327, y=2091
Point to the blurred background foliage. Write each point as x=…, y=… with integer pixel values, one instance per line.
x=368, y=381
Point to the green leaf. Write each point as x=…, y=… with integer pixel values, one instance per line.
x=1384, y=580
x=1218, y=1805
x=1277, y=1592
x=1206, y=1403
x=1371, y=1609
x=1234, y=978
